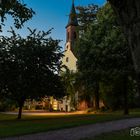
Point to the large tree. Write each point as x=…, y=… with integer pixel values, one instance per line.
x=29, y=67
x=103, y=53
x=128, y=12
x=86, y=15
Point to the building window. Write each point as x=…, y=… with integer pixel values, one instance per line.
x=67, y=59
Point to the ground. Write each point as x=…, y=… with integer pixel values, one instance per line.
x=80, y=132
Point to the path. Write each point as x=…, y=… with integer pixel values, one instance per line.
x=45, y=113
x=77, y=133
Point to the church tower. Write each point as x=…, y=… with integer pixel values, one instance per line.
x=69, y=58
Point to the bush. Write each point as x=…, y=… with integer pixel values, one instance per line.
x=7, y=105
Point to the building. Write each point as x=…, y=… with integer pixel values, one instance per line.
x=69, y=58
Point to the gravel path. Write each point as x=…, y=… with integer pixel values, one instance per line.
x=80, y=132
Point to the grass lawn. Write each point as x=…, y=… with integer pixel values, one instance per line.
x=118, y=135
x=10, y=126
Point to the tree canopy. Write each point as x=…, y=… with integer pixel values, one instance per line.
x=29, y=66
x=86, y=15
x=17, y=10
x=102, y=52
x=128, y=14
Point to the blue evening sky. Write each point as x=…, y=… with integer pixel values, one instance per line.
x=50, y=13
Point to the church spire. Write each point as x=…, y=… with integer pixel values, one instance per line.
x=69, y=58
x=72, y=16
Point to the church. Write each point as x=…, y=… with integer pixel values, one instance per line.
x=69, y=58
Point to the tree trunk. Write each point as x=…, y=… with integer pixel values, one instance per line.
x=97, y=96
x=125, y=95
x=128, y=12
x=20, y=109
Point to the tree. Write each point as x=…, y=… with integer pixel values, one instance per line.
x=86, y=15
x=69, y=79
x=29, y=67
x=103, y=54
x=19, y=12
x=119, y=60
x=128, y=15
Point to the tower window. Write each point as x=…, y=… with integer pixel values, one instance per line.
x=67, y=36
x=67, y=47
x=67, y=59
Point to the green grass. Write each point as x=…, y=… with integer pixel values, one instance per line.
x=10, y=126
x=118, y=135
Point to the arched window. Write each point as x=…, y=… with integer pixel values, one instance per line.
x=67, y=59
x=67, y=47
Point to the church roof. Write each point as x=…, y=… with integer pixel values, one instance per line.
x=72, y=17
